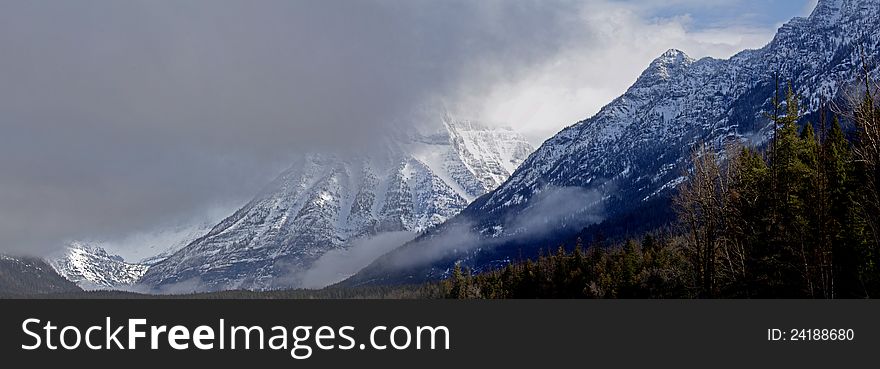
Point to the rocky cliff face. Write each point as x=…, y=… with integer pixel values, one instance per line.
x=91, y=267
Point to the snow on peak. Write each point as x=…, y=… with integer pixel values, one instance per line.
x=671, y=63
x=826, y=8
x=674, y=56
x=832, y=12
x=489, y=154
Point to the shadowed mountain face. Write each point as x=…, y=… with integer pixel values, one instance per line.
x=634, y=151
x=329, y=202
x=27, y=276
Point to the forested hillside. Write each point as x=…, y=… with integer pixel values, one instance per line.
x=797, y=218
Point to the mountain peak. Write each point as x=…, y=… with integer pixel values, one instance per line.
x=672, y=57
x=674, y=54
x=670, y=63
x=89, y=247
x=831, y=11
x=455, y=124
x=828, y=6
x=452, y=122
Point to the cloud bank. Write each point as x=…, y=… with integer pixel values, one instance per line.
x=124, y=117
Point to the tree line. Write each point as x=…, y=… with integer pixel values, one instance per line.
x=797, y=220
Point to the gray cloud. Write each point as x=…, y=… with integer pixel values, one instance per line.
x=555, y=208
x=120, y=117
x=558, y=208
x=456, y=239
x=337, y=265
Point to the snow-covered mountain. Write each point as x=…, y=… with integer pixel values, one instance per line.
x=638, y=142
x=324, y=202
x=91, y=267
x=636, y=148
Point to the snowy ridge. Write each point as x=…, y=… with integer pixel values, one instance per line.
x=91, y=267
x=637, y=143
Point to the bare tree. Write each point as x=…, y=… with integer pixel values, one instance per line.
x=862, y=109
x=704, y=210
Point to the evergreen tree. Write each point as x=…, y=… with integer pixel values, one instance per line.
x=790, y=224
x=840, y=224
x=459, y=284
x=815, y=257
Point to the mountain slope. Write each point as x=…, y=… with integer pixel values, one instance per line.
x=28, y=276
x=634, y=151
x=326, y=202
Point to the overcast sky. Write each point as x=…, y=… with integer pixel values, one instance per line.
x=119, y=117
